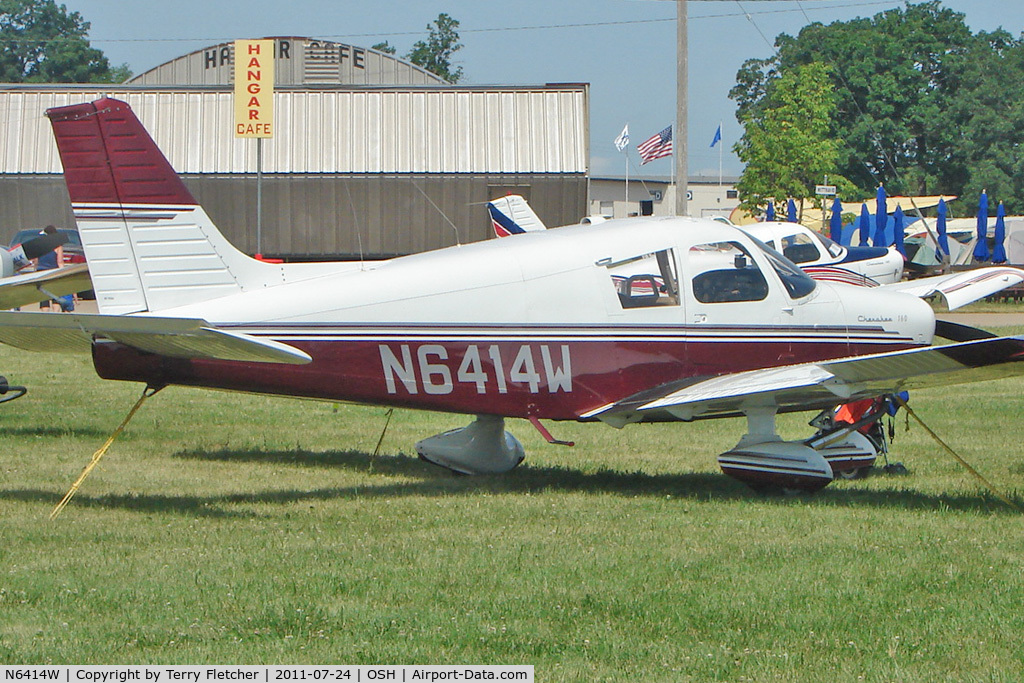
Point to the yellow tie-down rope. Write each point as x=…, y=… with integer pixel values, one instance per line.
x=146, y=393
x=985, y=482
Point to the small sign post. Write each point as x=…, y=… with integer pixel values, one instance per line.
x=254, y=107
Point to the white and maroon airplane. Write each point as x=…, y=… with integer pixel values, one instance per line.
x=532, y=327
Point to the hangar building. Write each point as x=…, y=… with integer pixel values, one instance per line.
x=372, y=157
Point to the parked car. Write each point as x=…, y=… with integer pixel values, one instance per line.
x=73, y=251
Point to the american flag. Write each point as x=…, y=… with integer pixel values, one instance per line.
x=656, y=147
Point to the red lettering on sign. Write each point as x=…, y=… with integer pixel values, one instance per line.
x=254, y=114
x=253, y=129
x=254, y=48
x=253, y=102
x=254, y=62
x=253, y=88
x=253, y=75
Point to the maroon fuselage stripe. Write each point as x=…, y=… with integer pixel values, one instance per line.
x=514, y=382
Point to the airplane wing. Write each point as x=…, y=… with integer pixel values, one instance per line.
x=19, y=290
x=175, y=337
x=815, y=386
x=958, y=289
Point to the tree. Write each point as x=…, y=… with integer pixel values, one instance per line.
x=988, y=111
x=787, y=147
x=894, y=75
x=40, y=42
x=385, y=47
x=435, y=55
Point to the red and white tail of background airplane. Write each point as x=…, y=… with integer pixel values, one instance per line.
x=533, y=327
x=512, y=215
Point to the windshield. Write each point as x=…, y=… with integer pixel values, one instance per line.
x=835, y=249
x=798, y=283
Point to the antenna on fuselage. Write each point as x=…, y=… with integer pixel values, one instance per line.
x=355, y=224
x=458, y=242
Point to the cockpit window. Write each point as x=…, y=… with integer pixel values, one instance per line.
x=724, y=272
x=646, y=280
x=800, y=248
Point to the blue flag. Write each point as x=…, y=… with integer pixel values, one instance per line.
x=718, y=136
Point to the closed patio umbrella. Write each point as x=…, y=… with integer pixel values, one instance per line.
x=981, y=246
x=998, y=250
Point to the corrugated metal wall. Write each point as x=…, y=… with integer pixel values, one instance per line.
x=427, y=130
x=330, y=217
x=349, y=172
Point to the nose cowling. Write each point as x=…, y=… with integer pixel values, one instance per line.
x=895, y=317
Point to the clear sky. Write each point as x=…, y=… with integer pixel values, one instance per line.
x=624, y=48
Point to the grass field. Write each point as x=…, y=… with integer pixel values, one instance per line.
x=224, y=528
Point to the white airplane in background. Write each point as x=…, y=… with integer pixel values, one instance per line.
x=817, y=255
x=531, y=327
x=829, y=261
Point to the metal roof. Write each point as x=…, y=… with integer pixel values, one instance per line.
x=297, y=60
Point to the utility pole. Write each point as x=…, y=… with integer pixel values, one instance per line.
x=680, y=132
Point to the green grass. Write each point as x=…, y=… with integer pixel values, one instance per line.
x=224, y=528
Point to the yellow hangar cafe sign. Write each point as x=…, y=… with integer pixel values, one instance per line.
x=254, y=88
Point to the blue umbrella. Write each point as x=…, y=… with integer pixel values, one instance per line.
x=791, y=211
x=897, y=231
x=941, y=229
x=999, y=251
x=981, y=246
x=835, y=226
x=769, y=214
x=881, y=218
x=865, y=225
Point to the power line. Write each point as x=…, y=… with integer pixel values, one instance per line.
x=539, y=27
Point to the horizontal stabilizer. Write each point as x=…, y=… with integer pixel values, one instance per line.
x=192, y=338
x=28, y=288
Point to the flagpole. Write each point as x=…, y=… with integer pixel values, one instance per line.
x=721, y=146
x=625, y=155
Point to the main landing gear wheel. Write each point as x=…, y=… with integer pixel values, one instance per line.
x=483, y=447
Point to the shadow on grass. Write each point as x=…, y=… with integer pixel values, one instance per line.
x=431, y=481
x=77, y=432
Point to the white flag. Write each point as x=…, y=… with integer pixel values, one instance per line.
x=623, y=139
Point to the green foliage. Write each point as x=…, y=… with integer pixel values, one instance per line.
x=435, y=55
x=786, y=145
x=41, y=42
x=923, y=105
x=989, y=113
x=385, y=47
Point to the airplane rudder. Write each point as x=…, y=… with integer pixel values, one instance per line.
x=109, y=157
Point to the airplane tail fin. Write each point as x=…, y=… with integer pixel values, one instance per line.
x=512, y=215
x=149, y=245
